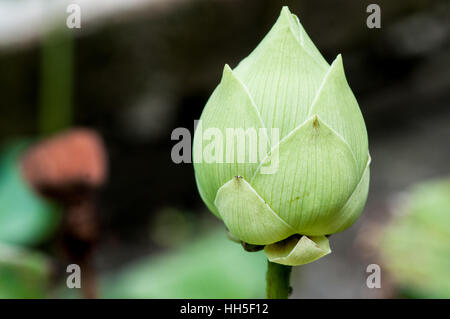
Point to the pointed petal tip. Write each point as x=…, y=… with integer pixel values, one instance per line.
x=238, y=179
x=315, y=121
x=338, y=62
x=285, y=10
x=337, y=67
x=247, y=216
x=227, y=70
x=289, y=16
x=290, y=21
x=228, y=75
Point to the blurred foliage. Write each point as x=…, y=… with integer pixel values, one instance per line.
x=23, y=274
x=415, y=246
x=170, y=227
x=210, y=267
x=25, y=218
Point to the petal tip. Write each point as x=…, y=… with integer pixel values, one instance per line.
x=246, y=214
x=338, y=62
x=229, y=77
x=285, y=10
x=315, y=121
x=227, y=71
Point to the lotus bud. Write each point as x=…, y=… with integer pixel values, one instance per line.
x=309, y=177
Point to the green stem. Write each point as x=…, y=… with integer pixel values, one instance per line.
x=278, y=278
x=56, y=82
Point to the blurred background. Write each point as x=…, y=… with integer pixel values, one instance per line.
x=137, y=69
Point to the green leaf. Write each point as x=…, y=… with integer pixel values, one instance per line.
x=295, y=252
x=247, y=216
x=414, y=244
x=316, y=175
x=337, y=106
x=23, y=273
x=203, y=268
x=25, y=217
x=229, y=107
x=283, y=75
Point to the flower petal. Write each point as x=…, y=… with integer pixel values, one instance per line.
x=354, y=205
x=229, y=107
x=295, y=252
x=247, y=216
x=306, y=42
x=316, y=175
x=337, y=106
x=282, y=76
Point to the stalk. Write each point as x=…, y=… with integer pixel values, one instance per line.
x=55, y=110
x=278, y=281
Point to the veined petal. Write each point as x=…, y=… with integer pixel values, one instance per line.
x=229, y=107
x=283, y=76
x=337, y=106
x=247, y=216
x=354, y=205
x=316, y=175
x=295, y=252
x=306, y=42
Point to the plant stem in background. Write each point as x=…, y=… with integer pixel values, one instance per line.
x=55, y=114
x=278, y=278
x=55, y=111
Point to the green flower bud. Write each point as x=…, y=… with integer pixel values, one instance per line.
x=318, y=156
